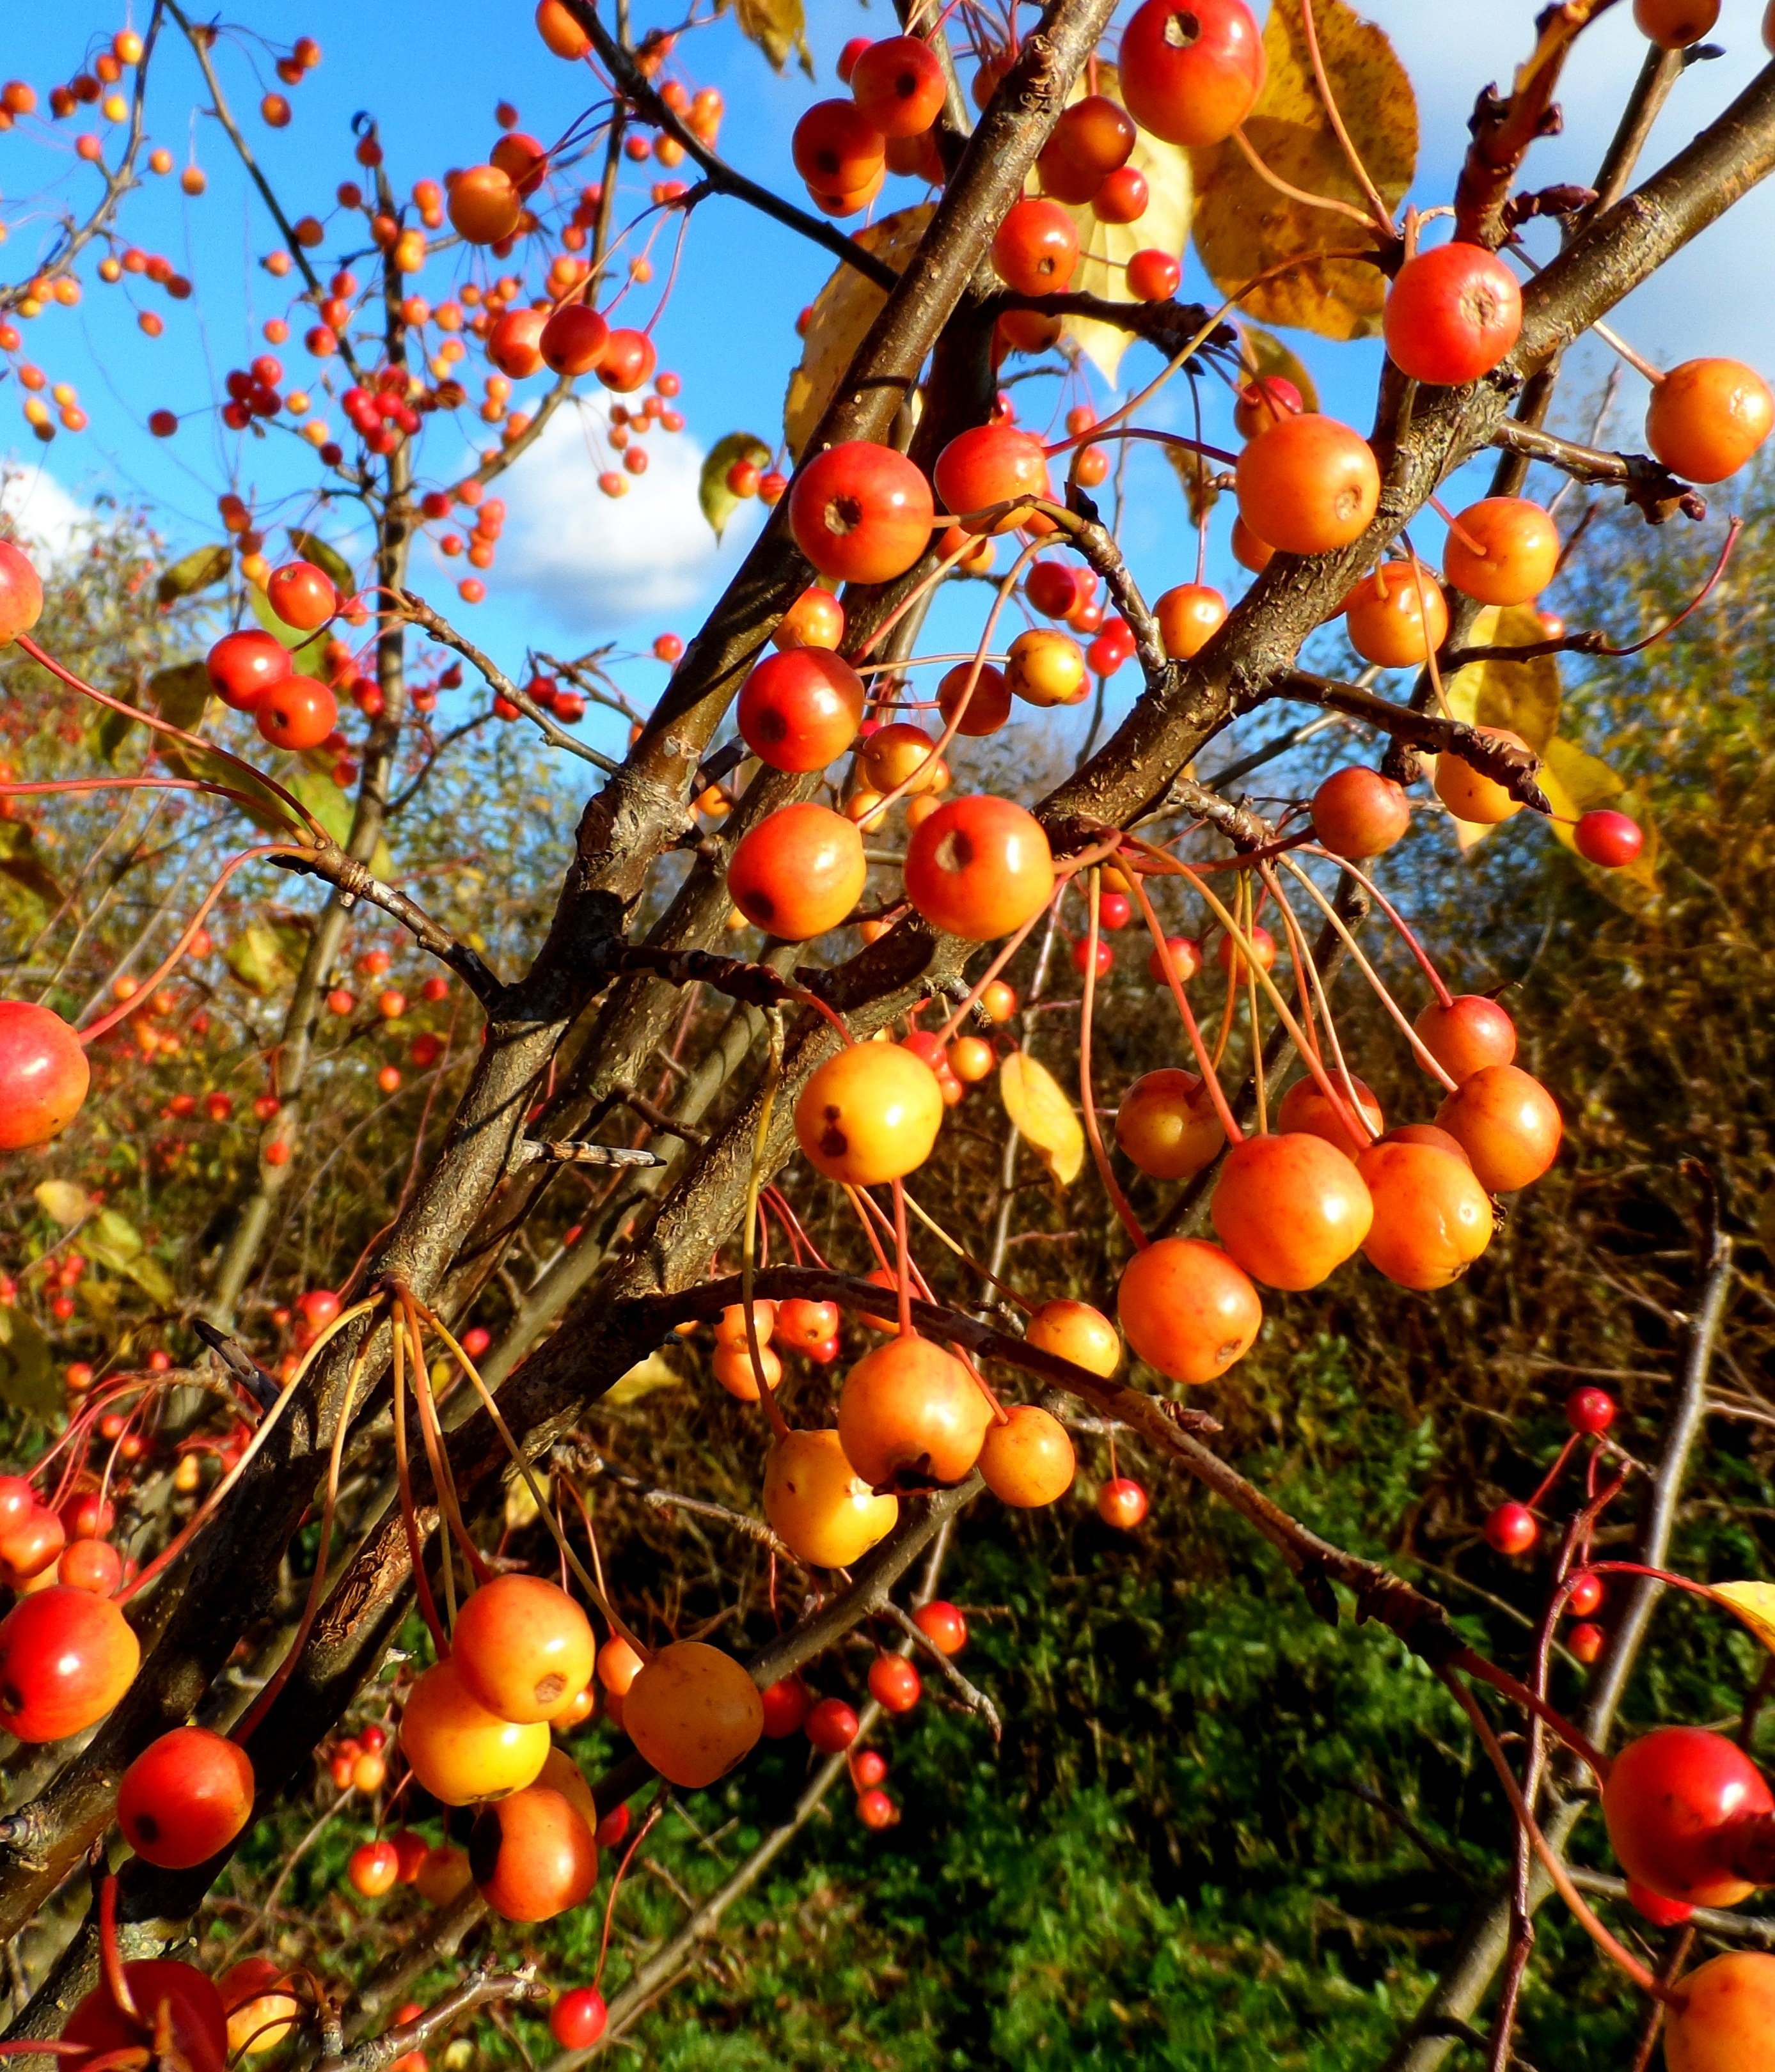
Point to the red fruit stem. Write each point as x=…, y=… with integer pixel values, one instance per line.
x=1112, y=1186
x=616, y=1885
x=860, y=660
x=1431, y=662
x=1452, y=522
x=1296, y=194
x=140, y=997
x=1695, y=603
x=1555, y=1472
x=111, y=1969
x=903, y=1279
x=1519, y=1693
x=443, y=1481
x=798, y=1237
x=1006, y=951
x=1555, y=1868
x=1340, y=928
x=594, y=1589
x=1438, y=986
x=243, y=1733
x=1383, y=219
x=422, y=1583
x=748, y=1254
x=24, y=642
x=213, y=1503
x=967, y=1258
x=1211, y=1078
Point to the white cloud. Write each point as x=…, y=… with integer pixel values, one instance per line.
x=35, y=505
x=596, y=562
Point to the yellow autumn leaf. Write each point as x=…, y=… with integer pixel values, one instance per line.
x=1521, y=696
x=840, y=318
x=1754, y=1603
x=520, y=1511
x=1244, y=224
x=655, y=1371
x=1039, y=1107
x=62, y=1202
x=1104, y=249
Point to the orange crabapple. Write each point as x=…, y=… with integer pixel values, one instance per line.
x=1191, y=70
x=1122, y=1502
x=1707, y=416
x=799, y=872
x=523, y=1647
x=1290, y=1208
x=1452, y=314
x=1470, y=795
x=861, y=512
x=869, y=1115
x=1502, y=550
x=819, y=1505
x=1397, y=617
x=910, y=1410
x=1308, y=484
x=987, y=696
x=1189, y=616
x=1035, y=249
x=1074, y=1331
x=1432, y=1219
x=1045, y=666
x=692, y=1712
x=1167, y=1124
x=1027, y=1461
x=1508, y=1124
x=979, y=867
x=1357, y=813
x=1187, y=1308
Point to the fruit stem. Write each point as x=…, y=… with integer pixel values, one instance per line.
x=436, y=1324
x=1210, y=1077
x=243, y=1733
x=117, y=1978
x=1555, y=1472
x=1006, y=953
x=1519, y=1693
x=1118, y=1201
x=436, y=1454
x=966, y=1257
x=1297, y=193
x=422, y=1583
x=748, y=1243
x=920, y=589
x=1438, y=984
x=1368, y=971
x=140, y=997
x=1383, y=218
x=903, y=1281
x=1555, y=1868
x=641, y=1834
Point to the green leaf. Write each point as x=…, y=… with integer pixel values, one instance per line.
x=328, y=559
x=1244, y=225
x=28, y=1379
x=200, y=569
x=180, y=694
x=265, y=809
x=779, y=27
x=114, y=728
x=840, y=318
x=718, y=501
x=256, y=959
x=152, y=1279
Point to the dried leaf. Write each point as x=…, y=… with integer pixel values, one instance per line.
x=20, y=862
x=197, y=570
x=27, y=1378
x=1036, y=1104
x=655, y=1371
x=62, y=1202
x=1521, y=696
x=779, y=27
x=1265, y=353
x=328, y=559
x=256, y=959
x=1197, y=478
x=718, y=501
x=179, y=694
x=1755, y=1604
x=1244, y=225
x=152, y=1279
x=1104, y=249
x=840, y=318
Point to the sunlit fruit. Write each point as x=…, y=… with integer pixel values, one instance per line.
x=1707, y=416
x=21, y=594
x=1090, y=140
x=1305, y=1106
x=1512, y=1529
x=1452, y=314
x=815, y=619
x=1508, y=1125
x=900, y=755
x=1035, y=247
x=373, y=1870
x=574, y=340
x=979, y=867
x=1045, y=666
x=943, y=1625
x=459, y=1751
x=578, y=2019
x=1502, y=550
x=1189, y=616
x=297, y=714
x=1724, y=2019
x=1432, y=1219
x=1468, y=793
x=1027, y=1460
x=176, y=2003
x=1075, y=1331
x=1122, y=1502
x=44, y=1075
x=1308, y=484
x=988, y=464
x=1290, y=1209
x=692, y=1712
x=1673, y=24
x=1167, y=1124
x=514, y=345
x=912, y=1412
x=1191, y=70
x=1187, y=1308
x=836, y=148
x=532, y=1855
x=832, y=1726
x=301, y=595
x=618, y=1665
x=861, y=512
x=1397, y=617
x=1469, y=1033
x=243, y=666
x=484, y=205
x=523, y=1647
x=1674, y=1800
x=801, y=1323
x=1609, y=839
x=799, y=872
x=800, y=708
x=974, y=698
x=260, y=2012
x=870, y=1114
x=894, y=1683
x=817, y=1503
x=899, y=85
x=66, y=1657
x=186, y=1796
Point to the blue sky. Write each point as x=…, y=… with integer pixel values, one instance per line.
x=575, y=570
